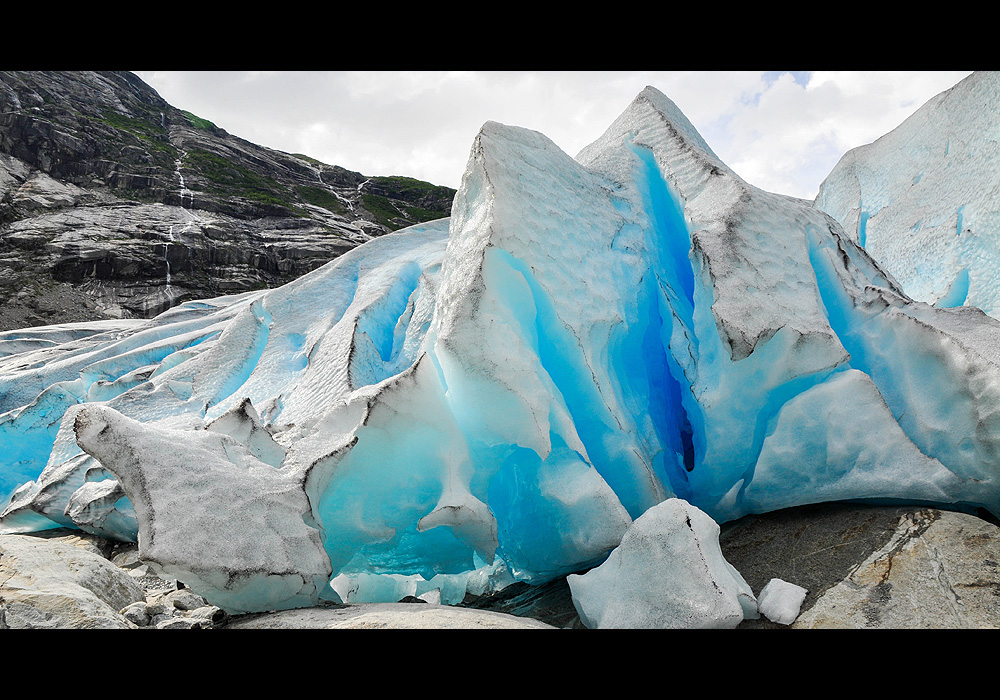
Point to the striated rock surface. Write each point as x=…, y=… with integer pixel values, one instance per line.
x=115, y=204
x=902, y=567
x=938, y=570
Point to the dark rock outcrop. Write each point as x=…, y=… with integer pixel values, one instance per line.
x=115, y=204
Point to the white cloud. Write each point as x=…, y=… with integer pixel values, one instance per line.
x=790, y=138
x=777, y=133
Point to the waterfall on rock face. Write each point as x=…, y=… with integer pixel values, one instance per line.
x=166, y=255
x=184, y=191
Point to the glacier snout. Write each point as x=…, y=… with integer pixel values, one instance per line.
x=512, y=389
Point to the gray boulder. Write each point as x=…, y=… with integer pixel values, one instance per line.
x=238, y=531
x=386, y=616
x=871, y=567
x=59, y=583
x=938, y=570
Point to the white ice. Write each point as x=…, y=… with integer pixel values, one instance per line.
x=780, y=601
x=667, y=573
x=922, y=198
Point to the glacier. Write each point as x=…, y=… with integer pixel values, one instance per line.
x=500, y=395
x=921, y=199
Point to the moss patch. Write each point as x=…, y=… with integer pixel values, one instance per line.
x=382, y=209
x=410, y=189
x=151, y=134
x=230, y=179
x=199, y=123
x=308, y=159
x=320, y=198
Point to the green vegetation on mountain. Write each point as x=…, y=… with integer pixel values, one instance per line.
x=199, y=123
x=321, y=198
x=237, y=215
x=229, y=178
x=309, y=159
x=397, y=201
x=150, y=132
x=410, y=189
x=382, y=209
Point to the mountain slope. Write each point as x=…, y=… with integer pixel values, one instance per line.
x=114, y=203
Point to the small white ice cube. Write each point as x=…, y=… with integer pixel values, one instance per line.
x=781, y=601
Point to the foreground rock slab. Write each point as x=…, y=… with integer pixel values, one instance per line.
x=873, y=567
x=57, y=584
x=385, y=616
x=939, y=570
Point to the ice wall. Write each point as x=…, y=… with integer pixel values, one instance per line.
x=499, y=396
x=922, y=199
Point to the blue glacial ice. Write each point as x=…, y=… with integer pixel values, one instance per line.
x=498, y=397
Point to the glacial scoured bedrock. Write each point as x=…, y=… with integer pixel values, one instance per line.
x=500, y=395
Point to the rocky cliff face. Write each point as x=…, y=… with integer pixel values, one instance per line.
x=115, y=204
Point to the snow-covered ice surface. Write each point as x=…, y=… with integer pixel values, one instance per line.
x=922, y=199
x=500, y=395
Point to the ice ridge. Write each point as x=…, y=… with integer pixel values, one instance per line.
x=921, y=199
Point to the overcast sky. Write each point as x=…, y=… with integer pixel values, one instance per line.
x=782, y=131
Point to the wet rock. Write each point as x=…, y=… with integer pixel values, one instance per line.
x=551, y=603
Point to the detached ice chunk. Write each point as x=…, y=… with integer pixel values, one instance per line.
x=101, y=508
x=781, y=601
x=667, y=573
x=238, y=531
x=442, y=589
